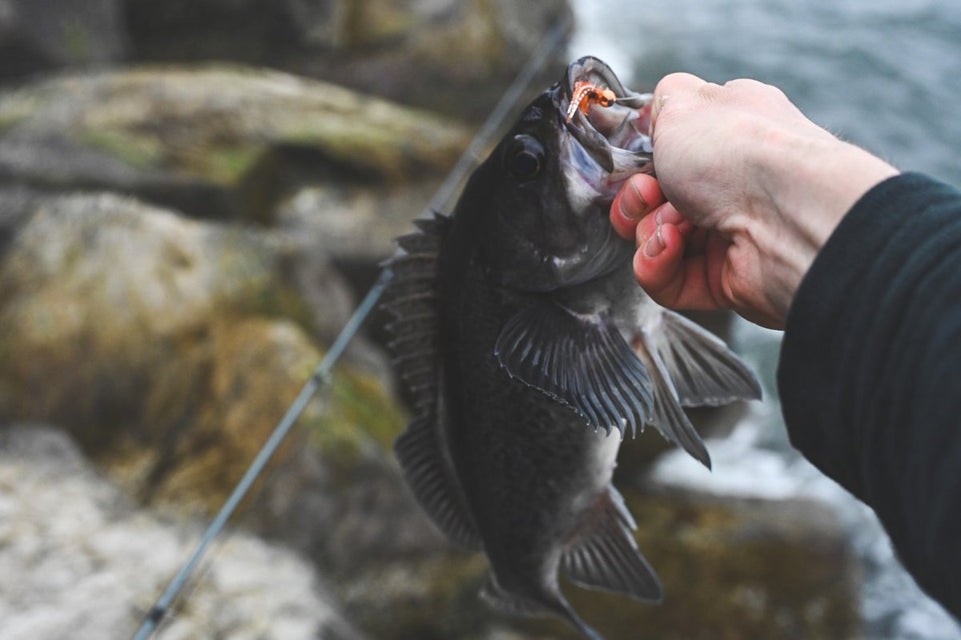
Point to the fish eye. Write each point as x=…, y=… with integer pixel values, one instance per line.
x=525, y=158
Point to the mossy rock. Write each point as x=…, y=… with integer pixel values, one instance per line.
x=98, y=289
x=456, y=56
x=168, y=347
x=218, y=400
x=214, y=141
x=738, y=569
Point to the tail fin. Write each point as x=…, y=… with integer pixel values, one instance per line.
x=550, y=604
x=586, y=630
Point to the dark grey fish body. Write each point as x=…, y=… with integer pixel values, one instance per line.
x=525, y=343
x=529, y=467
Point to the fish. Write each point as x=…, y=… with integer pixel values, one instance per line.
x=529, y=352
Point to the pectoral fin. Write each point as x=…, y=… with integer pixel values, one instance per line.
x=605, y=555
x=579, y=360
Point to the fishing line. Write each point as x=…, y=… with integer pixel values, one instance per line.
x=321, y=375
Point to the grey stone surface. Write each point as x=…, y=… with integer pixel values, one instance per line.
x=78, y=560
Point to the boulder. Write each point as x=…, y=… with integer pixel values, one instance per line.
x=79, y=560
x=358, y=224
x=212, y=141
x=455, y=56
x=55, y=34
x=746, y=569
x=170, y=347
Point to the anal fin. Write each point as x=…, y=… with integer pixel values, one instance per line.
x=605, y=554
x=508, y=603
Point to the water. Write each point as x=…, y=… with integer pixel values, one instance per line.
x=880, y=73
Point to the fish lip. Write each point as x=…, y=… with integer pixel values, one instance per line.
x=581, y=126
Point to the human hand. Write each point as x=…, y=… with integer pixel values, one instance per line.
x=753, y=190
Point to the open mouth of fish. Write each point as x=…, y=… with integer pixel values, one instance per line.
x=616, y=136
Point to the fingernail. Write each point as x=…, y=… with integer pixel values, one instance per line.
x=654, y=245
x=636, y=207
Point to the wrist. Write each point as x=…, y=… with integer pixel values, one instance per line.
x=809, y=183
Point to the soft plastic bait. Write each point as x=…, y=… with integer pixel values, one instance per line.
x=585, y=94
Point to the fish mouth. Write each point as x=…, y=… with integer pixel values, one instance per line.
x=617, y=137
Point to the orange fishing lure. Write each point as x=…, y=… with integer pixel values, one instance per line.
x=585, y=94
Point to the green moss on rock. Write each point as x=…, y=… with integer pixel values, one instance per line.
x=170, y=348
x=359, y=412
x=731, y=570
x=178, y=135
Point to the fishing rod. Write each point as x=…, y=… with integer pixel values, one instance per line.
x=322, y=374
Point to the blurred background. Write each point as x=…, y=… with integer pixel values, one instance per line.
x=194, y=195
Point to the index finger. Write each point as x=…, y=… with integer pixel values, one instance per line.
x=639, y=195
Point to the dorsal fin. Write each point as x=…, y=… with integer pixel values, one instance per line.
x=411, y=298
x=605, y=555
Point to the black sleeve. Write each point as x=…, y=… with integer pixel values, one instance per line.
x=870, y=370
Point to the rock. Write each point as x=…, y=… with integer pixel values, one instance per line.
x=168, y=347
x=737, y=569
x=450, y=55
x=455, y=56
x=77, y=560
x=53, y=34
x=17, y=203
x=354, y=224
x=216, y=142
x=347, y=509
x=748, y=569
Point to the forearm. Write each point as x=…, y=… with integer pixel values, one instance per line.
x=870, y=373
